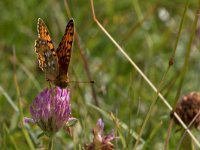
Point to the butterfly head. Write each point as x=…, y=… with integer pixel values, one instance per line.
x=62, y=81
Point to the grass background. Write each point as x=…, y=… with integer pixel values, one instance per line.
x=147, y=30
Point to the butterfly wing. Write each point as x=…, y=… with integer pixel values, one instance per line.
x=64, y=50
x=43, y=33
x=47, y=57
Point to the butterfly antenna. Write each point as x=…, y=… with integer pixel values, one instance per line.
x=83, y=82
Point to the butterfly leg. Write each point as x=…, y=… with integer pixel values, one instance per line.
x=49, y=83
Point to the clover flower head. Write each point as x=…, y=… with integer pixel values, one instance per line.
x=188, y=109
x=51, y=109
x=101, y=141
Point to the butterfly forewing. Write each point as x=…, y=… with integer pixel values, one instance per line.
x=44, y=34
x=65, y=47
x=47, y=57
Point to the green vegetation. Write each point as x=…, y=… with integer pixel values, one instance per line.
x=147, y=31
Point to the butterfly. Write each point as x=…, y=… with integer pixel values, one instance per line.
x=54, y=63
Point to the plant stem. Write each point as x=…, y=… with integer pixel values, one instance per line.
x=50, y=147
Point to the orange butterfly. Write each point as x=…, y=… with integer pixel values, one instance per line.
x=53, y=62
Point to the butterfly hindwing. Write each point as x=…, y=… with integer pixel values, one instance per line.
x=48, y=60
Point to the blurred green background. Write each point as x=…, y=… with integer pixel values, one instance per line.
x=147, y=30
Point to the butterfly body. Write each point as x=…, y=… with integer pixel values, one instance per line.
x=53, y=62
